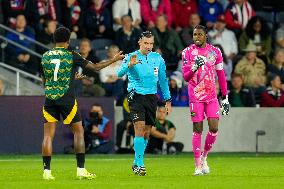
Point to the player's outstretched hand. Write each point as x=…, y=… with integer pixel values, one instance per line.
x=225, y=106
x=79, y=76
x=133, y=60
x=118, y=56
x=199, y=61
x=168, y=107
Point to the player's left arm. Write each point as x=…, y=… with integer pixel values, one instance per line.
x=222, y=82
x=164, y=84
x=84, y=63
x=221, y=73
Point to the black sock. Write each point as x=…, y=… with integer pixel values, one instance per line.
x=80, y=160
x=46, y=162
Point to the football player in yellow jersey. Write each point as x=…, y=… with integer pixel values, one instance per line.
x=59, y=72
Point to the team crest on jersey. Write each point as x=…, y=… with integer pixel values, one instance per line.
x=194, y=52
x=211, y=57
x=156, y=71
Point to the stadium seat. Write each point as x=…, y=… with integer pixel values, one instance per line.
x=267, y=16
x=74, y=44
x=101, y=54
x=280, y=17
x=99, y=44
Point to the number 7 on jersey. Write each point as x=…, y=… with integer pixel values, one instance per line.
x=57, y=64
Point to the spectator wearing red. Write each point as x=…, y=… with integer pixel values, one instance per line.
x=238, y=14
x=181, y=11
x=151, y=9
x=72, y=17
x=273, y=96
x=11, y=9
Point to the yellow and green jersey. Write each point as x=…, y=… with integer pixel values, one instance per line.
x=59, y=71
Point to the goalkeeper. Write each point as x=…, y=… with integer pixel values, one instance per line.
x=200, y=63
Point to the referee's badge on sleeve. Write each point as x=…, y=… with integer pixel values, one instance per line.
x=156, y=71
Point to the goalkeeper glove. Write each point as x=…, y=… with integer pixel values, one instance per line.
x=199, y=61
x=225, y=106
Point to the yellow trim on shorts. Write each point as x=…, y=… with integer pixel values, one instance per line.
x=49, y=118
x=72, y=114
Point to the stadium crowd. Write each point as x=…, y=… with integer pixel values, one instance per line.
x=250, y=33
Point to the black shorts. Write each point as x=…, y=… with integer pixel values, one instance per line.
x=143, y=108
x=69, y=112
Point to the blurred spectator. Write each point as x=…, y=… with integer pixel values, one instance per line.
x=227, y=64
x=11, y=9
x=125, y=125
x=187, y=33
x=91, y=83
x=280, y=36
x=113, y=85
x=127, y=7
x=178, y=92
x=257, y=32
x=2, y=87
x=274, y=95
x=237, y=14
x=253, y=71
x=163, y=134
x=167, y=42
x=277, y=65
x=181, y=11
x=46, y=36
x=72, y=17
x=251, y=67
x=226, y=38
x=209, y=10
x=18, y=57
x=98, y=21
x=151, y=9
x=39, y=11
x=98, y=132
x=239, y=95
x=127, y=36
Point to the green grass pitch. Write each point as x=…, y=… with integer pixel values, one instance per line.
x=228, y=171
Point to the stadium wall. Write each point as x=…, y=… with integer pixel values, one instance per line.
x=236, y=131
x=21, y=123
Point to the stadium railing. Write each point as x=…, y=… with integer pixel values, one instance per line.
x=18, y=74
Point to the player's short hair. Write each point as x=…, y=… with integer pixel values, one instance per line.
x=147, y=34
x=200, y=27
x=61, y=35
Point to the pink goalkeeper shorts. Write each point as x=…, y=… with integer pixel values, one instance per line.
x=197, y=110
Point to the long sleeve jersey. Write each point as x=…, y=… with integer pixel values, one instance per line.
x=201, y=84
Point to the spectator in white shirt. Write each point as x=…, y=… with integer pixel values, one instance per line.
x=226, y=38
x=126, y=7
x=112, y=84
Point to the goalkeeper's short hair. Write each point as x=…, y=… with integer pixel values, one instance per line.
x=201, y=28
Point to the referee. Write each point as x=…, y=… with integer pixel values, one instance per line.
x=145, y=69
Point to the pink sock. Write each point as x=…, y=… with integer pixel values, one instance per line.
x=196, y=145
x=209, y=141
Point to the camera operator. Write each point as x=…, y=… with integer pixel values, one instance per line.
x=98, y=132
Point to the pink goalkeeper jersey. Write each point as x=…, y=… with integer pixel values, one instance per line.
x=201, y=84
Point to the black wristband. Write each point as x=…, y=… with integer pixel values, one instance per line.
x=169, y=100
